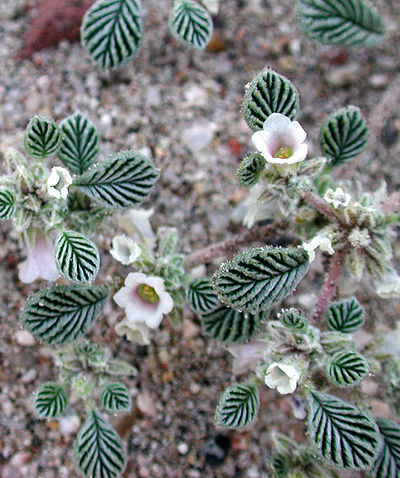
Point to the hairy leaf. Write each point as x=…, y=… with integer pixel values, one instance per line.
x=115, y=397
x=77, y=257
x=387, y=465
x=346, y=315
x=268, y=93
x=238, y=406
x=201, y=296
x=254, y=280
x=341, y=22
x=347, y=368
x=250, y=169
x=123, y=180
x=42, y=137
x=80, y=143
x=111, y=31
x=191, y=23
x=64, y=313
x=98, y=450
x=50, y=400
x=232, y=326
x=293, y=319
x=343, y=135
x=343, y=434
x=7, y=203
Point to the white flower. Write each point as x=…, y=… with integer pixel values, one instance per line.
x=144, y=299
x=136, y=223
x=321, y=241
x=125, y=250
x=137, y=332
x=337, y=197
x=283, y=377
x=281, y=140
x=58, y=182
x=389, y=286
x=40, y=262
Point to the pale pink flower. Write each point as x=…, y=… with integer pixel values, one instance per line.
x=283, y=377
x=39, y=263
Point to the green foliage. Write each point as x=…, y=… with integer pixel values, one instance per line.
x=77, y=257
x=123, y=180
x=62, y=314
x=50, y=400
x=278, y=465
x=227, y=325
x=80, y=143
x=42, y=137
x=238, y=406
x=7, y=203
x=341, y=22
x=250, y=169
x=111, y=32
x=345, y=316
x=269, y=92
x=98, y=450
x=191, y=23
x=293, y=319
x=387, y=465
x=257, y=279
x=201, y=296
x=343, y=135
x=343, y=434
x=347, y=368
x=115, y=397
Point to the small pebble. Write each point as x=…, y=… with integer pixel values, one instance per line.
x=146, y=404
x=69, y=425
x=342, y=75
x=378, y=80
x=182, y=448
x=25, y=338
x=198, y=136
x=29, y=376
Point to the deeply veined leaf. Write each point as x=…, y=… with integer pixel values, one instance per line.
x=98, y=450
x=123, y=180
x=80, y=143
x=42, y=137
x=201, y=295
x=7, y=203
x=77, y=257
x=254, y=280
x=50, y=400
x=238, y=406
x=191, y=23
x=293, y=319
x=347, y=368
x=343, y=434
x=111, y=31
x=250, y=169
x=341, y=22
x=227, y=325
x=343, y=135
x=115, y=397
x=387, y=465
x=346, y=315
x=269, y=92
x=64, y=313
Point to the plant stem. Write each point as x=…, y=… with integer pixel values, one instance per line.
x=328, y=290
x=320, y=204
x=229, y=246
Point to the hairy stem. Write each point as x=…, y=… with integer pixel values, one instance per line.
x=320, y=204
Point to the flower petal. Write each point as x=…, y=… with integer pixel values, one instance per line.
x=296, y=132
x=276, y=122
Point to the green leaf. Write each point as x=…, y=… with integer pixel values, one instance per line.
x=232, y=326
x=191, y=23
x=115, y=397
x=123, y=180
x=50, y=400
x=346, y=315
x=7, y=203
x=293, y=319
x=250, y=169
x=343, y=434
x=279, y=465
x=268, y=93
x=77, y=257
x=343, y=135
x=347, y=368
x=201, y=296
x=120, y=368
x=42, y=137
x=80, y=143
x=238, y=406
x=311, y=167
x=111, y=32
x=387, y=465
x=98, y=450
x=257, y=279
x=341, y=22
x=64, y=313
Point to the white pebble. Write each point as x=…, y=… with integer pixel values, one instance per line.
x=69, y=424
x=183, y=448
x=25, y=338
x=29, y=376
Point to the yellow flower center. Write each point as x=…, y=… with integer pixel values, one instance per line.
x=284, y=152
x=148, y=294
